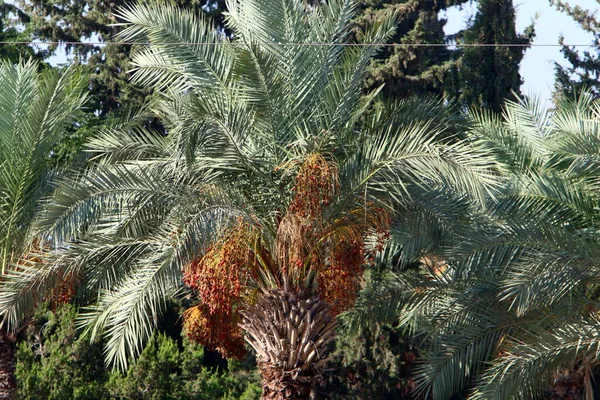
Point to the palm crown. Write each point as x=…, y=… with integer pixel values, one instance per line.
x=37, y=111
x=513, y=305
x=275, y=177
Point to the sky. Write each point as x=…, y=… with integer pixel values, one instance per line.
x=537, y=67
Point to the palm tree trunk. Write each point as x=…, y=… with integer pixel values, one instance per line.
x=8, y=361
x=290, y=332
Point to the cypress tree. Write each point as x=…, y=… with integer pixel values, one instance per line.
x=488, y=75
x=474, y=76
x=411, y=70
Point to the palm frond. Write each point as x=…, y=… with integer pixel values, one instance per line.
x=458, y=355
x=36, y=113
x=83, y=200
x=526, y=367
x=186, y=50
x=128, y=313
x=394, y=156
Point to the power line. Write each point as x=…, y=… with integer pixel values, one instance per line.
x=48, y=43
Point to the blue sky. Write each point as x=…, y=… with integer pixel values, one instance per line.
x=537, y=67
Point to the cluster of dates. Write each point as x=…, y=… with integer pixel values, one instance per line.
x=311, y=241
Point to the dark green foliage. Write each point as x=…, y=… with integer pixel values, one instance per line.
x=56, y=363
x=374, y=361
x=584, y=69
x=68, y=149
x=487, y=76
x=373, y=364
x=163, y=371
x=154, y=374
x=71, y=21
x=408, y=70
x=75, y=20
x=474, y=76
x=13, y=28
x=481, y=76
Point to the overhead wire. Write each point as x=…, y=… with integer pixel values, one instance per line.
x=224, y=43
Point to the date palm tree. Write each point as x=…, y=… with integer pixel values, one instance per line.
x=36, y=111
x=275, y=182
x=512, y=310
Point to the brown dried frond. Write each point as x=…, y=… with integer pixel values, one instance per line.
x=370, y=222
x=434, y=264
x=64, y=280
x=65, y=288
x=35, y=253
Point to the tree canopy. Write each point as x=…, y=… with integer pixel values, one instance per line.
x=247, y=125
x=268, y=175
x=487, y=76
x=583, y=73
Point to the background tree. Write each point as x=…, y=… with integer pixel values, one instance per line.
x=14, y=27
x=55, y=361
x=473, y=76
x=373, y=363
x=84, y=20
x=583, y=73
x=407, y=70
x=487, y=76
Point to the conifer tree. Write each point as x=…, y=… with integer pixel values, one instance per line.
x=584, y=69
x=71, y=21
x=474, y=76
x=11, y=17
x=488, y=75
x=410, y=70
